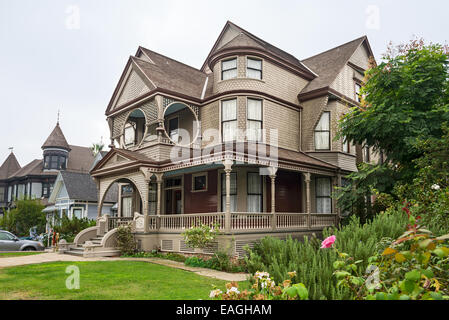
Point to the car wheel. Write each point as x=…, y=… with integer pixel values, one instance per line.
x=29, y=249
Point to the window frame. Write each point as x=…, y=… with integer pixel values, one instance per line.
x=226, y=70
x=366, y=154
x=323, y=197
x=253, y=120
x=315, y=131
x=254, y=194
x=77, y=208
x=261, y=67
x=358, y=96
x=200, y=174
x=133, y=143
x=346, y=143
x=233, y=120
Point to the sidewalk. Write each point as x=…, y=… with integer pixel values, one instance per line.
x=55, y=257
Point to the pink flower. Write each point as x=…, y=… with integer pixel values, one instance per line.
x=328, y=242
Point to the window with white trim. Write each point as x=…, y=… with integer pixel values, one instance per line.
x=152, y=198
x=322, y=132
x=233, y=192
x=323, y=189
x=229, y=120
x=254, y=192
x=130, y=134
x=229, y=69
x=254, y=68
x=345, y=145
x=77, y=212
x=254, y=120
x=199, y=182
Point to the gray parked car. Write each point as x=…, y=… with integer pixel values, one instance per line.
x=9, y=242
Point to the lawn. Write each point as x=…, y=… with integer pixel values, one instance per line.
x=17, y=254
x=104, y=280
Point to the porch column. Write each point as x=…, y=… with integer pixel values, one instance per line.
x=159, y=192
x=273, y=171
x=144, y=208
x=308, y=206
x=228, y=168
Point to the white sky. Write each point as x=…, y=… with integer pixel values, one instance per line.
x=49, y=60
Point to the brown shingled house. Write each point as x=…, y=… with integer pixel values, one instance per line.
x=36, y=179
x=247, y=142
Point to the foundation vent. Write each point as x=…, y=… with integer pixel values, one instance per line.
x=239, y=245
x=212, y=249
x=184, y=248
x=167, y=245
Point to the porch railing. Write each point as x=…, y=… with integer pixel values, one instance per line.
x=115, y=222
x=240, y=221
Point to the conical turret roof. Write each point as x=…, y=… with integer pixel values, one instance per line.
x=56, y=139
x=10, y=166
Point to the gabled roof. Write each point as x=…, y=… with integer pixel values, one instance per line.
x=80, y=186
x=9, y=166
x=244, y=38
x=169, y=74
x=56, y=139
x=328, y=64
x=34, y=168
x=80, y=159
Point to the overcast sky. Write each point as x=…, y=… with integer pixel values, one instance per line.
x=69, y=55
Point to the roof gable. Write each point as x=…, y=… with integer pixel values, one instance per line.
x=9, y=166
x=328, y=64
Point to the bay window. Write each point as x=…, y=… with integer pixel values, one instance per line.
x=229, y=120
x=233, y=192
x=322, y=132
x=323, y=189
x=254, y=192
x=254, y=120
x=254, y=68
x=229, y=69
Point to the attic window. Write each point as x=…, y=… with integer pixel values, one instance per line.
x=229, y=69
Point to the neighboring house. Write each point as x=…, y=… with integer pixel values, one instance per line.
x=75, y=195
x=184, y=140
x=37, y=178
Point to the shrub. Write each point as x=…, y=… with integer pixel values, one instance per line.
x=26, y=215
x=314, y=267
x=414, y=267
x=125, y=240
x=69, y=228
x=201, y=236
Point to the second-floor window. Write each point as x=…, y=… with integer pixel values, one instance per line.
x=55, y=162
x=229, y=120
x=130, y=134
x=358, y=95
x=345, y=145
x=229, y=69
x=366, y=154
x=254, y=120
x=254, y=68
x=322, y=132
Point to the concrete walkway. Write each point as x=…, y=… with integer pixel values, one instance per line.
x=55, y=257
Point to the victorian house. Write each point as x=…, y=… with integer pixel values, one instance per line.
x=246, y=143
x=36, y=179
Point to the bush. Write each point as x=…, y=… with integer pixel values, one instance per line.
x=69, y=228
x=201, y=236
x=314, y=267
x=26, y=215
x=126, y=241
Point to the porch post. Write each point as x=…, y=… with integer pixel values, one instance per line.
x=273, y=171
x=308, y=206
x=228, y=168
x=159, y=197
x=144, y=208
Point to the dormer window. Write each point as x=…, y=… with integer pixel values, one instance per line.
x=254, y=68
x=229, y=69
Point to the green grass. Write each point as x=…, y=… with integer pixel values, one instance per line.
x=17, y=254
x=105, y=280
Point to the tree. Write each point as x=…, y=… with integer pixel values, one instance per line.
x=97, y=147
x=27, y=214
x=406, y=100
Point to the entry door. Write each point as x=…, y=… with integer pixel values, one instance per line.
x=173, y=201
x=127, y=203
x=178, y=201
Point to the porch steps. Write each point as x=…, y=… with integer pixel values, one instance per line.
x=79, y=250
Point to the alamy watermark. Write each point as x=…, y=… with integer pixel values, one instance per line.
x=72, y=282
